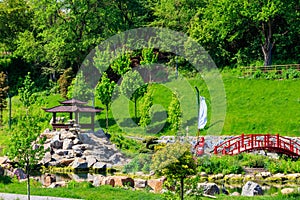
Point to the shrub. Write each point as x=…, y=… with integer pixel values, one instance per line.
x=141, y=162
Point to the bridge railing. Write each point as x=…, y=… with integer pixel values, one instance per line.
x=252, y=142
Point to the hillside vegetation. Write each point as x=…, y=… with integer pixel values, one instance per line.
x=253, y=106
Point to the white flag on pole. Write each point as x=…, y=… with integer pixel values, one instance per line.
x=202, y=114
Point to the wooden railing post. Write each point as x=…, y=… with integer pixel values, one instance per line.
x=277, y=140
x=216, y=150
x=242, y=140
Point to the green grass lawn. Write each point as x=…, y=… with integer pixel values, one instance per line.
x=79, y=190
x=88, y=192
x=253, y=106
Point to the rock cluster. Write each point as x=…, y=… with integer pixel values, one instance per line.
x=80, y=151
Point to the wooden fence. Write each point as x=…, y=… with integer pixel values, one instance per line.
x=249, y=70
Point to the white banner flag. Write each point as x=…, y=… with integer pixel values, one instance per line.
x=202, y=114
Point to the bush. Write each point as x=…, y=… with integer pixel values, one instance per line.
x=141, y=162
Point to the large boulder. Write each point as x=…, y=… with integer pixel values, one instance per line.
x=251, y=189
x=156, y=184
x=123, y=181
x=66, y=161
x=108, y=181
x=91, y=160
x=56, y=143
x=99, y=166
x=79, y=163
x=98, y=180
x=286, y=191
x=49, y=179
x=140, y=183
x=209, y=188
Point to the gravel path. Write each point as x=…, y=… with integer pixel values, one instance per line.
x=7, y=196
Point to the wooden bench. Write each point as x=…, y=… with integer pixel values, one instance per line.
x=61, y=126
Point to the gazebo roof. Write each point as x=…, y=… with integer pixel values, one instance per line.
x=73, y=102
x=71, y=109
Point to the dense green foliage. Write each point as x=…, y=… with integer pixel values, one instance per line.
x=236, y=164
x=47, y=37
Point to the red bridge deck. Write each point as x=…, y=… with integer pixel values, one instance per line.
x=253, y=142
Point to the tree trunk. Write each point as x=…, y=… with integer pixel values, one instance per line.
x=268, y=44
x=106, y=117
x=181, y=188
x=135, y=112
x=28, y=181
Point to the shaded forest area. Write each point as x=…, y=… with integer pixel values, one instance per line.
x=46, y=37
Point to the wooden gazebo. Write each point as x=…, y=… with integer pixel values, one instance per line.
x=73, y=106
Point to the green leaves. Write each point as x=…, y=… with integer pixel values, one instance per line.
x=174, y=161
x=174, y=114
x=26, y=92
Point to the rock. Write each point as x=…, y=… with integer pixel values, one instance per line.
x=235, y=194
x=47, y=158
x=20, y=173
x=251, y=189
x=56, y=143
x=265, y=174
x=79, y=163
x=57, y=184
x=123, y=181
x=91, y=160
x=140, y=183
x=108, y=181
x=209, y=188
x=98, y=180
x=76, y=141
x=1, y=171
x=156, y=184
x=68, y=135
x=82, y=147
x=287, y=190
x=56, y=157
x=49, y=179
x=116, y=158
x=3, y=160
x=203, y=174
x=61, y=152
x=292, y=177
x=67, y=144
x=66, y=161
x=99, y=165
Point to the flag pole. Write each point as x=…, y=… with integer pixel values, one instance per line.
x=198, y=101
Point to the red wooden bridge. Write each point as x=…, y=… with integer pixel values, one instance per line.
x=254, y=142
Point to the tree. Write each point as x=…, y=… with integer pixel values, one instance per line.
x=122, y=64
x=133, y=87
x=79, y=89
x=250, y=32
x=148, y=58
x=104, y=92
x=176, y=162
x=65, y=81
x=3, y=93
x=145, y=108
x=26, y=147
x=26, y=92
x=174, y=113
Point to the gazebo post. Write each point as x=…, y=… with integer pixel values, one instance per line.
x=54, y=120
x=77, y=117
x=92, y=121
x=71, y=115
